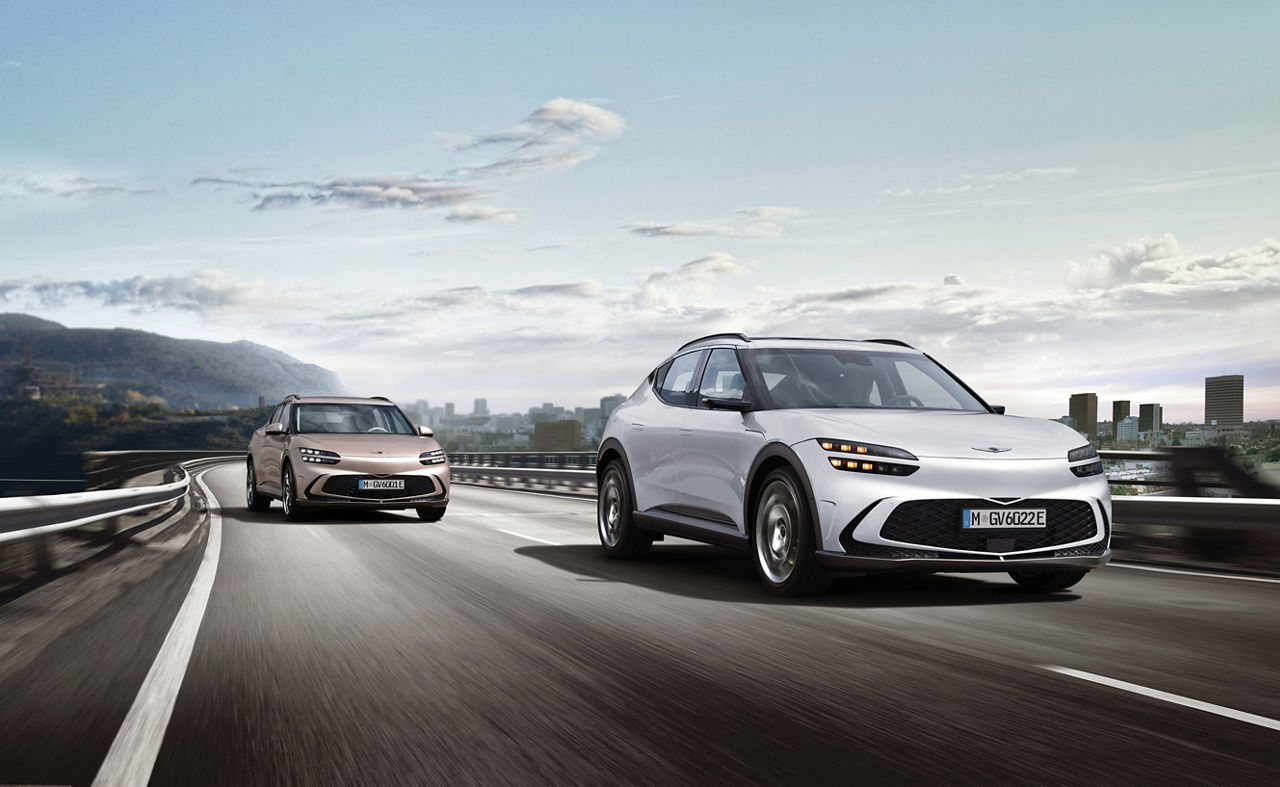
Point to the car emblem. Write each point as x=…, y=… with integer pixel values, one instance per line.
x=991, y=449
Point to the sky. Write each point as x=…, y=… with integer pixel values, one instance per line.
x=540, y=202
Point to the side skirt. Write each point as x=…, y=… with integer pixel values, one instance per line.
x=694, y=528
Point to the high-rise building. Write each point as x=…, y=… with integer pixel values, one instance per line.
x=448, y=409
x=481, y=407
x=610, y=403
x=1150, y=418
x=1119, y=410
x=1127, y=428
x=1224, y=400
x=1067, y=420
x=1084, y=408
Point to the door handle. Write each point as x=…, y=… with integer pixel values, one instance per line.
x=637, y=426
x=684, y=431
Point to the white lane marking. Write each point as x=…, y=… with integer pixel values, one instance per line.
x=313, y=532
x=1196, y=573
x=133, y=752
x=1186, y=702
x=531, y=538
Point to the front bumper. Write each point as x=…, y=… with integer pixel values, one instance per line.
x=840, y=562
x=426, y=486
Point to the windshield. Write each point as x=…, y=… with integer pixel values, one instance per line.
x=350, y=419
x=848, y=378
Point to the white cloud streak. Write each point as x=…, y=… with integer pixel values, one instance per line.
x=974, y=183
x=765, y=222
x=20, y=185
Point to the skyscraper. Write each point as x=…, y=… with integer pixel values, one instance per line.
x=609, y=403
x=1084, y=408
x=481, y=407
x=1224, y=400
x=1150, y=418
x=1119, y=410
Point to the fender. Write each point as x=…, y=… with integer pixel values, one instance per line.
x=612, y=443
x=784, y=452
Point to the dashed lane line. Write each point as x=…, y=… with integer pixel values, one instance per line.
x=133, y=753
x=531, y=538
x=1176, y=699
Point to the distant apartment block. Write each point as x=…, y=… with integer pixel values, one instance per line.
x=481, y=407
x=557, y=436
x=1084, y=409
x=609, y=403
x=1119, y=410
x=1127, y=428
x=1150, y=418
x=1224, y=400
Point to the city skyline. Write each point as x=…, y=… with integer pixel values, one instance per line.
x=999, y=185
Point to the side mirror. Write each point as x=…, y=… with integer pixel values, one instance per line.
x=998, y=409
x=275, y=428
x=426, y=431
x=712, y=403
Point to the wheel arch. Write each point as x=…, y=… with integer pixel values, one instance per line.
x=611, y=450
x=773, y=456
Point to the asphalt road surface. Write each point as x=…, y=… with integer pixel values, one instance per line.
x=499, y=646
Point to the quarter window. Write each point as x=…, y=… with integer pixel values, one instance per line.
x=679, y=378
x=723, y=377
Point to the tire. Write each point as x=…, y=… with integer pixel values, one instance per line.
x=253, y=500
x=430, y=514
x=619, y=536
x=1046, y=581
x=289, y=497
x=782, y=538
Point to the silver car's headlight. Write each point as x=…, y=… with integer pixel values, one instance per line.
x=864, y=457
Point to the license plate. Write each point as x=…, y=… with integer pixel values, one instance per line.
x=380, y=483
x=993, y=518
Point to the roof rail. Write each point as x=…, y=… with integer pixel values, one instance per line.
x=292, y=396
x=383, y=398
x=896, y=342
x=740, y=336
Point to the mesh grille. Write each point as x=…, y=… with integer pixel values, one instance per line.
x=346, y=486
x=937, y=523
x=883, y=551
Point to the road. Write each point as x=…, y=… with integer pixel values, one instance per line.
x=499, y=646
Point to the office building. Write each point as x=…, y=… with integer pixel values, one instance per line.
x=481, y=407
x=1224, y=400
x=610, y=403
x=1150, y=418
x=1127, y=428
x=448, y=409
x=1084, y=409
x=1119, y=410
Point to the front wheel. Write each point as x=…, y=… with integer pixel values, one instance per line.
x=252, y=499
x=289, y=497
x=783, y=539
x=618, y=532
x=1046, y=581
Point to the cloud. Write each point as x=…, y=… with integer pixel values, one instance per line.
x=1119, y=264
x=9, y=65
x=972, y=183
x=762, y=222
x=953, y=281
x=16, y=185
x=469, y=213
x=556, y=135
x=204, y=292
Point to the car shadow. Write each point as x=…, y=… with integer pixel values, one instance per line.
x=718, y=574
x=322, y=516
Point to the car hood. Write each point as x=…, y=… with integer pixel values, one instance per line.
x=367, y=444
x=931, y=433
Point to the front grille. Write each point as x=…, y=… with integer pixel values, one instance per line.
x=937, y=523
x=885, y=551
x=346, y=486
x=1088, y=550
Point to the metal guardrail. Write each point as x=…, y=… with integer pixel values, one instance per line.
x=29, y=517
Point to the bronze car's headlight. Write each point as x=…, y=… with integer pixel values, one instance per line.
x=864, y=457
x=319, y=457
x=436, y=457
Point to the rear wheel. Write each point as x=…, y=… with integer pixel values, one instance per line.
x=618, y=532
x=1047, y=581
x=430, y=514
x=252, y=499
x=783, y=540
x=289, y=497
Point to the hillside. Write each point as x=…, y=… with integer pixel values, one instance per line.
x=185, y=373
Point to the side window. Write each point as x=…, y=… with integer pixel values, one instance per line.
x=723, y=377
x=675, y=386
